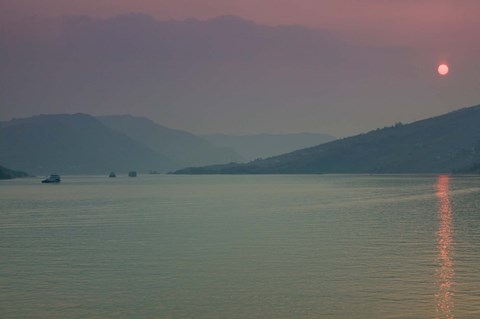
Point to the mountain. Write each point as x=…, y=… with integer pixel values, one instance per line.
x=183, y=148
x=6, y=173
x=73, y=144
x=439, y=144
x=256, y=146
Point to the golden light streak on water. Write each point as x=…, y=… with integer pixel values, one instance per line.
x=444, y=296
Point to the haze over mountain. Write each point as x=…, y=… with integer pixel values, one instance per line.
x=436, y=145
x=256, y=146
x=72, y=144
x=82, y=144
x=226, y=74
x=6, y=173
x=183, y=148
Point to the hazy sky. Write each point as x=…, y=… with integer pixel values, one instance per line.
x=433, y=21
x=371, y=62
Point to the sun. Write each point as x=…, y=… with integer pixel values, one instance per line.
x=443, y=69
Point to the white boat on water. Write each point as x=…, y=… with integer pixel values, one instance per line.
x=54, y=178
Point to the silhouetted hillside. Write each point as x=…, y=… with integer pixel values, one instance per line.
x=438, y=144
x=183, y=148
x=6, y=173
x=251, y=147
x=73, y=144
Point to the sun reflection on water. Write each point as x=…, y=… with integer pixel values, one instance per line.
x=444, y=274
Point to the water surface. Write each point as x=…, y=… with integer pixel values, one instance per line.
x=319, y=246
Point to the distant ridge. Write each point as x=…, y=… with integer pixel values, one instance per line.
x=257, y=146
x=82, y=144
x=73, y=144
x=439, y=144
x=6, y=173
x=183, y=148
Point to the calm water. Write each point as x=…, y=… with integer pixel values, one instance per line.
x=265, y=247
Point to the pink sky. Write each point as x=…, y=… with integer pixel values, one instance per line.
x=430, y=31
x=435, y=23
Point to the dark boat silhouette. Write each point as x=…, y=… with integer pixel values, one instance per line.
x=112, y=174
x=54, y=178
x=132, y=174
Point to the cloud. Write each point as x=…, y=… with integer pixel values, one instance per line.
x=224, y=74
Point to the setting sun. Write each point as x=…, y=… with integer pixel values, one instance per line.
x=443, y=69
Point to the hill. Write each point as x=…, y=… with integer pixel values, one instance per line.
x=183, y=148
x=6, y=173
x=439, y=144
x=256, y=146
x=73, y=144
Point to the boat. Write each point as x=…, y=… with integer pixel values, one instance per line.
x=132, y=174
x=112, y=174
x=54, y=178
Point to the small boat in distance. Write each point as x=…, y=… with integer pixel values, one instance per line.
x=132, y=174
x=112, y=174
x=54, y=178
